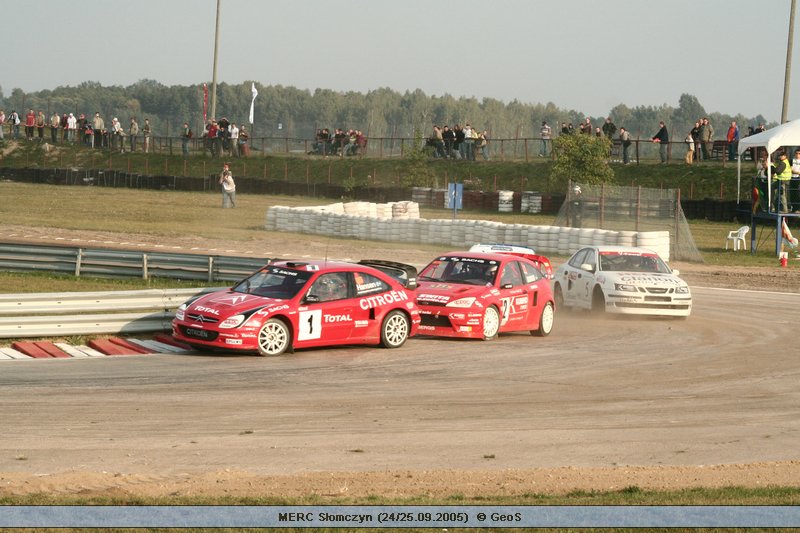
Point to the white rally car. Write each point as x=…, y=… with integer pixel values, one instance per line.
x=621, y=279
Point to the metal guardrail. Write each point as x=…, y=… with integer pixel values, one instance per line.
x=124, y=263
x=85, y=313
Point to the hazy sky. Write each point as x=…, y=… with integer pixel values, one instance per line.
x=586, y=55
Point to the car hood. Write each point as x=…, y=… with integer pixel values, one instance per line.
x=227, y=303
x=443, y=292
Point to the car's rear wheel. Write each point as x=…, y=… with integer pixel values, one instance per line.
x=546, y=321
x=395, y=329
x=598, y=301
x=491, y=323
x=274, y=337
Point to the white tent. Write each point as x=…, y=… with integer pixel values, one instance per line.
x=787, y=134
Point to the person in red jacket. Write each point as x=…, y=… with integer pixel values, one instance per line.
x=30, y=123
x=733, y=141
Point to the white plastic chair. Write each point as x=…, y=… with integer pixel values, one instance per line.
x=737, y=236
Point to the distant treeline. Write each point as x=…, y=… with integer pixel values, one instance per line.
x=295, y=113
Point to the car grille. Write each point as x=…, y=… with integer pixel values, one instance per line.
x=652, y=306
x=429, y=303
x=438, y=321
x=202, y=334
x=196, y=317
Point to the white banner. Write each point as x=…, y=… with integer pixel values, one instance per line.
x=253, y=102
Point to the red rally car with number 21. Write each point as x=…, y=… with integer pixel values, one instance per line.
x=478, y=295
x=304, y=304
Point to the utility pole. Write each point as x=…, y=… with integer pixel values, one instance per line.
x=214, y=73
x=788, y=75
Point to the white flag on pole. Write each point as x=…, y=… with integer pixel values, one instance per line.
x=253, y=102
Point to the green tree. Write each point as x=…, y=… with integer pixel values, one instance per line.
x=581, y=158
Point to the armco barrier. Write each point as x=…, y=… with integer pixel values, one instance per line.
x=458, y=234
x=84, y=313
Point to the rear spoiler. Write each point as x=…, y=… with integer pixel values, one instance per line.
x=405, y=274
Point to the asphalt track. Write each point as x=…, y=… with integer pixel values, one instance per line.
x=718, y=388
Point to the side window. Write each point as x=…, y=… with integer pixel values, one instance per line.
x=511, y=275
x=530, y=273
x=591, y=259
x=368, y=284
x=579, y=258
x=330, y=286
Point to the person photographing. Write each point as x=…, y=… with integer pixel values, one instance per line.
x=228, y=187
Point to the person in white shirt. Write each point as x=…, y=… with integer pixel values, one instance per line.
x=72, y=126
x=234, y=131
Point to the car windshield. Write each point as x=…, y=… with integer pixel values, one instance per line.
x=632, y=262
x=466, y=270
x=274, y=282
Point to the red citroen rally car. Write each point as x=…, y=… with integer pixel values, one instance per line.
x=303, y=304
x=478, y=295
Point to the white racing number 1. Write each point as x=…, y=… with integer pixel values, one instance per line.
x=310, y=325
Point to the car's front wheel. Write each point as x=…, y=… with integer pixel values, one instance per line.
x=558, y=296
x=395, y=329
x=598, y=301
x=546, y=321
x=274, y=337
x=491, y=323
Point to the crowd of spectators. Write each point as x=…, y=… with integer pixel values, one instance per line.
x=459, y=143
x=223, y=137
x=343, y=143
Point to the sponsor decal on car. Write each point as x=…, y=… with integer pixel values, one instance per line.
x=656, y=280
x=365, y=287
x=233, y=341
x=209, y=310
x=361, y=323
x=438, y=298
x=382, y=299
x=329, y=319
x=234, y=300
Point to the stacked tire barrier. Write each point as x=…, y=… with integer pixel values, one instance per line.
x=334, y=220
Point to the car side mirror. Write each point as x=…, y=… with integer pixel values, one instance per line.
x=311, y=299
x=587, y=267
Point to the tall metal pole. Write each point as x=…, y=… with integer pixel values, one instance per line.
x=788, y=75
x=214, y=74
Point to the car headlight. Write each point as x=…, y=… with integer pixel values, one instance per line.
x=624, y=287
x=179, y=312
x=232, y=322
x=682, y=290
x=462, y=302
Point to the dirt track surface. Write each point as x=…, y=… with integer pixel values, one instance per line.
x=600, y=404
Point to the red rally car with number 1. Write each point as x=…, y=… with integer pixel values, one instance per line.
x=304, y=304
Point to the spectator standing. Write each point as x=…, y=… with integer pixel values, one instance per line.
x=118, y=134
x=234, y=131
x=564, y=129
x=2, y=123
x=483, y=143
x=695, y=133
x=662, y=138
x=467, y=147
x=55, y=123
x=30, y=123
x=133, y=133
x=546, y=133
x=588, y=129
x=40, y=123
x=437, y=138
x=733, y=140
x=244, y=148
x=689, y=140
x=706, y=137
x=459, y=132
x=782, y=175
x=14, y=120
x=796, y=164
x=72, y=127
x=147, y=131
x=449, y=138
x=228, y=187
x=609, y=128
x=186, y=134
x=625, y=139
x=98, y=125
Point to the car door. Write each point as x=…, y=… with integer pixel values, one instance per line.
x=585, y=279
x=328, y=314
x=514, y=297
x=533, y=280
x=571, y=274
